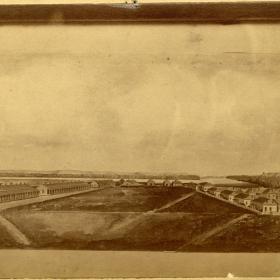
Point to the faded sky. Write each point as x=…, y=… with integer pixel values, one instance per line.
x=198, y=99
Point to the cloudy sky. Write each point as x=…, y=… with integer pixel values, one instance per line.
x=199, y=99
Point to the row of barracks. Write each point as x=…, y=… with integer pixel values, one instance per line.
x=23, y=191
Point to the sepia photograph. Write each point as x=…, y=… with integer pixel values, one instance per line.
x=139, y=137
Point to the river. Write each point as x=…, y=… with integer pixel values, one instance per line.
x=219, y=180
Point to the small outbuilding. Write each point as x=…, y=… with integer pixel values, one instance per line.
x=130, y=183
x=243, y=199
x=177, y=183
x=232, y=196
x=270, y=194
x=206, y=187
x=264, y=205
x=212, y=191
x=217, y=192
x=226, y=193
x=166, y=183
x=151, y=183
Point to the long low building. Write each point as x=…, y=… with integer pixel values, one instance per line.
x=64, y=187
x=17, y=192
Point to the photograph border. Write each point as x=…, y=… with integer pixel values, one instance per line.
x=85, y=264
x=191, y=12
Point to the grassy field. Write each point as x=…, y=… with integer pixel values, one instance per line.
x=137, y=199
x=112, y=219
x=6, y=241
x=120, y=219
x=87, y=230
x=199, y=203
x=69, y=230
x=256, y=234
x=170, y=231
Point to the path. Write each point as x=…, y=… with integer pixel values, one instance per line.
x=16, y=203
x=14, y=232
x=130, y=222
x=198, y=240
x=172, y=203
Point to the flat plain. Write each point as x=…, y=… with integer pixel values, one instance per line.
x=125, y=218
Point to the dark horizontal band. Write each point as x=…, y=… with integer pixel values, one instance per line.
x=211, y=12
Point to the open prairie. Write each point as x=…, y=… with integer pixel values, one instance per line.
x=6, y=240
x=255, y=234
x=199, y=203
x=135, y=218
x=130, y=199
x=108, y=231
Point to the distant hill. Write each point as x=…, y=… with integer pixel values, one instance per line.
x=97, y=174
x=269, y=180
x=212, y=177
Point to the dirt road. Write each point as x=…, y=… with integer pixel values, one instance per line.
x=172, y=203
x=130, y=222
x=14, y=232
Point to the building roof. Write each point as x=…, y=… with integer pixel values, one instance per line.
x=64, y=185
x=8, y=186
x=269, y=191
x=166, y=181
x=242, y=196
x=260, y=200
x=131, y=181
x=212, y=189
x=235, y=192
x=270, y=201
x=205, y=184
x=177, y=181
x=228, y=192
x=151, y=181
